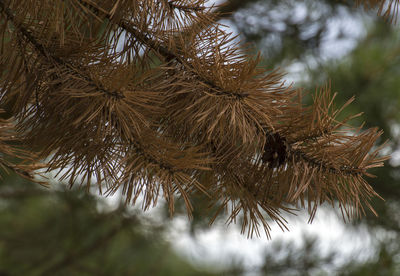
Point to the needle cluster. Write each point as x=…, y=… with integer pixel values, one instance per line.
x=154, y=98
x=389, y=9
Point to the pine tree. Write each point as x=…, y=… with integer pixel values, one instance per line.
x=153, y=97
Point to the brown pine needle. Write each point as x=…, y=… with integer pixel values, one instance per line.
x=153, y=98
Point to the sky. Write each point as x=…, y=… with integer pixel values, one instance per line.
x=220, y=245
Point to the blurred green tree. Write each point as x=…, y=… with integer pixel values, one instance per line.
x=65, y=232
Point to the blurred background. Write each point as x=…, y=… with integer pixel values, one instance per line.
x=59, y=231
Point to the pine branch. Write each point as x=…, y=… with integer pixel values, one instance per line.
x=165, y=53
x=389, y=9
x=177, y=175
x=176, y=109
x=12, y=154
x=54, y=59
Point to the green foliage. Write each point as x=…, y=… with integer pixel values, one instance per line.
x=370, y=74
x=66, y=233
x=284, y=258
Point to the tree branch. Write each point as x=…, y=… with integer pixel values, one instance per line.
x=97, y=244
x=39, y=47
x=164, y=52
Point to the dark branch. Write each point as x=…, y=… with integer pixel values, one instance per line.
x=164, y=52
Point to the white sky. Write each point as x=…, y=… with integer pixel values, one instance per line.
x=220, y=244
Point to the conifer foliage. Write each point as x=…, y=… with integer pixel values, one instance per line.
x=154, y=98
x=388, y=9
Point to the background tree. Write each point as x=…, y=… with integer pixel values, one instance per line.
x=73, y=233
